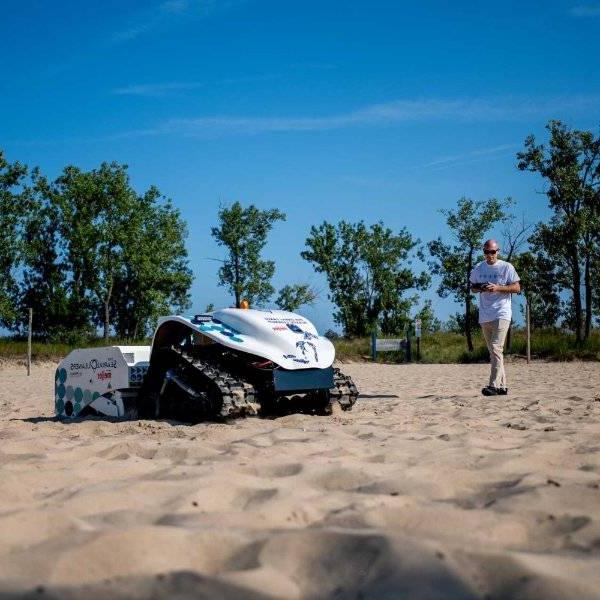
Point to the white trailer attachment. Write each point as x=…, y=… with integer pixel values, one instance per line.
x=100, y=381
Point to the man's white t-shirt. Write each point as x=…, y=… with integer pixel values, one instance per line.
x=494, y=305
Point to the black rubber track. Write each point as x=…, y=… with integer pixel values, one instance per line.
x=345, y=392
x=200, y=388
x=229, y=396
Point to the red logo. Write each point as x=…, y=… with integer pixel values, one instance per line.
x=280, y=328
x=104, y=375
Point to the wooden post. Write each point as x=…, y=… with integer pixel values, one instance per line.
x=374, y=345
x=418, y=336
x=528, y=330
x=29, y=342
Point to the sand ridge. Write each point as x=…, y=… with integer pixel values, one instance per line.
x=425, y=489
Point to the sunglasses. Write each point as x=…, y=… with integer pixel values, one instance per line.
x=490, y=251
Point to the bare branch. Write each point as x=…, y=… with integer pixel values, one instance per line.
x=515, y=235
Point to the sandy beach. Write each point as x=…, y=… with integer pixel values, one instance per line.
x=425, y=490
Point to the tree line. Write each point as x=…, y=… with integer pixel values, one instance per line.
x=86, y=252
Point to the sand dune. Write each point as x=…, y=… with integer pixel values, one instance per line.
x=425, y=490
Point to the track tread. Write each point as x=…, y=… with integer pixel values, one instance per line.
x=238, y=398
x=344, y=392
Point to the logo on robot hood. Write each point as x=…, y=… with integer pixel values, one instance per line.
x=94, y=364
x=308, y=349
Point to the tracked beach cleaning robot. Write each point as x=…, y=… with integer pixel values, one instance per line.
x=227, y=363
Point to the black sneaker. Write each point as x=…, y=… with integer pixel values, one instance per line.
x=489, y=390
x=502, y=391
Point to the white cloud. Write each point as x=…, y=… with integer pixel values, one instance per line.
x=156, y=89
x=387, y=114
x=468, y=156
x=176, y=6
x=390, y=113
x=171, y=87
x=164, y=13
x=585, y=10
x=451, y=161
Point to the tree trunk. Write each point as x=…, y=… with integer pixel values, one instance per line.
x=577, y=294
x=106, y=321
x=237, y=291
x=468, y=303
x=588, y=296
x=468, y=323
x=107, y=312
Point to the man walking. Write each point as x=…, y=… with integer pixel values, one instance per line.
x=495, y=280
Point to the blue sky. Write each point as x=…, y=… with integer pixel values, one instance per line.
x=328, y=110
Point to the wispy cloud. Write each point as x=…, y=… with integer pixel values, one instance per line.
x=480, y=153
x=174, y=87
x=156, y=89
x=164, y=13
x=390, y=179
x=585, y=10
x=379, y=115
x=390, y=113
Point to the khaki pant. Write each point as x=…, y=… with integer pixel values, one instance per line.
x=495, y=334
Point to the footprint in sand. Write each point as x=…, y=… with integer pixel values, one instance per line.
x=249, y=499
x=274, y=471
x=491, y=493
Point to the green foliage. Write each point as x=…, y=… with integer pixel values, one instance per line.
x=15, y=349
x=449, y=347
x=429, y=322
x=243, y=232
x=43, y=287
x=541, y=286
x=11, y=209
x=95, y=211
x=330, y=334
x=468, y=224
x=92, y=252
x=570, y=166
x=292, y=297
x=368, y=272
x=439, y=347
x=154, y=278
x=456, y=322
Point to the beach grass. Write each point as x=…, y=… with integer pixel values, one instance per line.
x=16, y=350
x=448, y=347
x=438, y=347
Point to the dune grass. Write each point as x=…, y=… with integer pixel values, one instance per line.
x=440, y=347
x=11, y=349
x=447, y=347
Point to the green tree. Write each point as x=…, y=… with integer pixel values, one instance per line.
x=453, y=263
x=44, y=282
x=243, y=232
x=514, y=236
x=541, y=285
x=429, y=322
x=570, y=166
x=368, y=272
x=123, y=255
x=154, y=277
x=292, y=297
x=94, y=213
x=11, y=211
x=456, y=323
